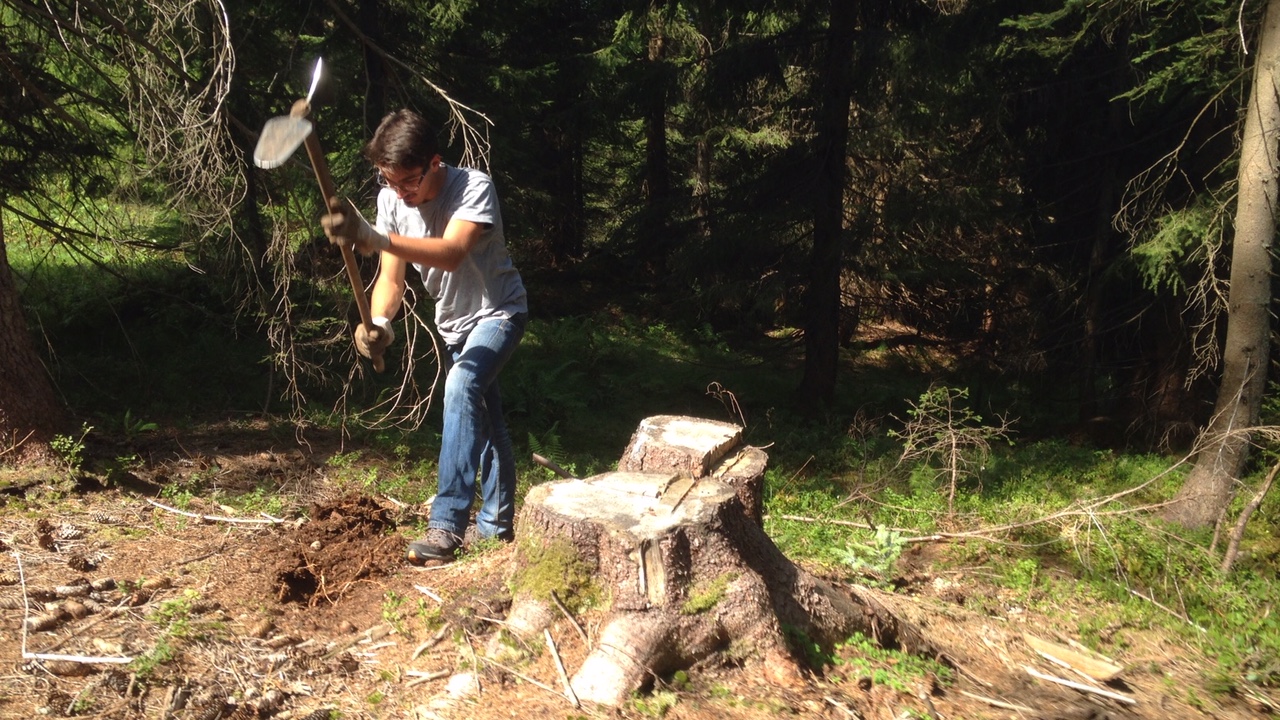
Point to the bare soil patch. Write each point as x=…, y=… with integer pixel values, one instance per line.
x=321, y=618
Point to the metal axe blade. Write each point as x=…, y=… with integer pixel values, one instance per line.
x=280, y=137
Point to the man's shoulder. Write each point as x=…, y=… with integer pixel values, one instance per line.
x=473, y=176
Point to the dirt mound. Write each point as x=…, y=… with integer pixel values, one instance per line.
x=346, y=541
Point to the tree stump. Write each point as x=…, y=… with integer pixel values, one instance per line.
x=681, y=556
x=698, y=448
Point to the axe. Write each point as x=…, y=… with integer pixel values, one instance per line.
x=280, y=137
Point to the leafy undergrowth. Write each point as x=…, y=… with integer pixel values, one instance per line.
x=190, y=562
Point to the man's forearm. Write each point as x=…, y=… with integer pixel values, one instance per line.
x=431, y=252
x=388, y=289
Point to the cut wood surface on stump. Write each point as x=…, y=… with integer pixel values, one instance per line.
x=675, y=542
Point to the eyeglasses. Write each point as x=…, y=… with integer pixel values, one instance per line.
x=403, y=187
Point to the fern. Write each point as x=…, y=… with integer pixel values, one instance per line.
x=549, y=447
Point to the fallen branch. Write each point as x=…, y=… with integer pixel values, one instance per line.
x=1237, y=533
x=377, y=632
x=16, y=444
x=215, y=518
x=1169, y=610
x=84, y=659
x=431, y=642
x=1086, y=509
x=428, y=592
x=999, y=703
x=26, y=613
x=564, y=676
x=1079, y=686
x=572, y=620
x=420, y=677
x=841, y=706
x=520, y=676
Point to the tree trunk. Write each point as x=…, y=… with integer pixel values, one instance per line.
x=1225, y=445
x=561, y=157
x=677, y=548
x=1103, y=242
x=30, y=413
x=822, y=299
x=375, y=100
x=656, y=182
x=703, y=151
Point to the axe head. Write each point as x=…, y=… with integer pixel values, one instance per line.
x=279, y=138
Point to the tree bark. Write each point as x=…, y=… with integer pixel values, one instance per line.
x=822, y=298
x=30, y=413
x=1225, y=442
x=656, y=181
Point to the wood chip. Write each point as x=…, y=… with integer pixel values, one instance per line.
x=1084, y=661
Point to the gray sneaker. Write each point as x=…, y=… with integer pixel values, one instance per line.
x=437, y=547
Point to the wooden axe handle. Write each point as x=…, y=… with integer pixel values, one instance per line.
x=321, y=167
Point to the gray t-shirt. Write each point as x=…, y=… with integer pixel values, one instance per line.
x=486, y=284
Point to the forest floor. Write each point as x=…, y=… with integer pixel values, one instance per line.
x=248, y=618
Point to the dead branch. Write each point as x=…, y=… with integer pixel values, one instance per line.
x=15, y=445
x=429, y=593
x=998, y=703
x=1167, y=609
x=564, y=676
x=430, y=642
x=214, y=518
x=420, y=677
x=572, y=620
x=26, y=615
x=1078, y=686
x=475, y=143
x=1237, y=533
x=517, y=674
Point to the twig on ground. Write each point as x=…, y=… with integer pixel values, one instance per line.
x=1088, y=510
x=828, y=521
x=214, y=518
x=1078, y=686
x=475, y=662
x=564, y=676
x=376, y=632
x=572, y=620
x=795, y=474
x=431, y=642
x=26, y=612
x=1167, y=609
x=15, y=444
x=420, y=677
x=845, y=708
x=428, y=592
x=526, y=678
x=1237, y=533
x=201, y=556
x=999, y=703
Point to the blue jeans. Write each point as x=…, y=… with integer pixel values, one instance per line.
x=475, y=442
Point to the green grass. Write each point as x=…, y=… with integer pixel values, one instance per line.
x=1115, y=558
x=862, y=657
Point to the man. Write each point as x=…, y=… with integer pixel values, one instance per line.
x=445, y=221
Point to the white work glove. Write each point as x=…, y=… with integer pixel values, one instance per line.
x=373, y=342
x=346, y=227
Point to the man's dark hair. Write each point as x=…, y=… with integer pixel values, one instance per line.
x=404, y=139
